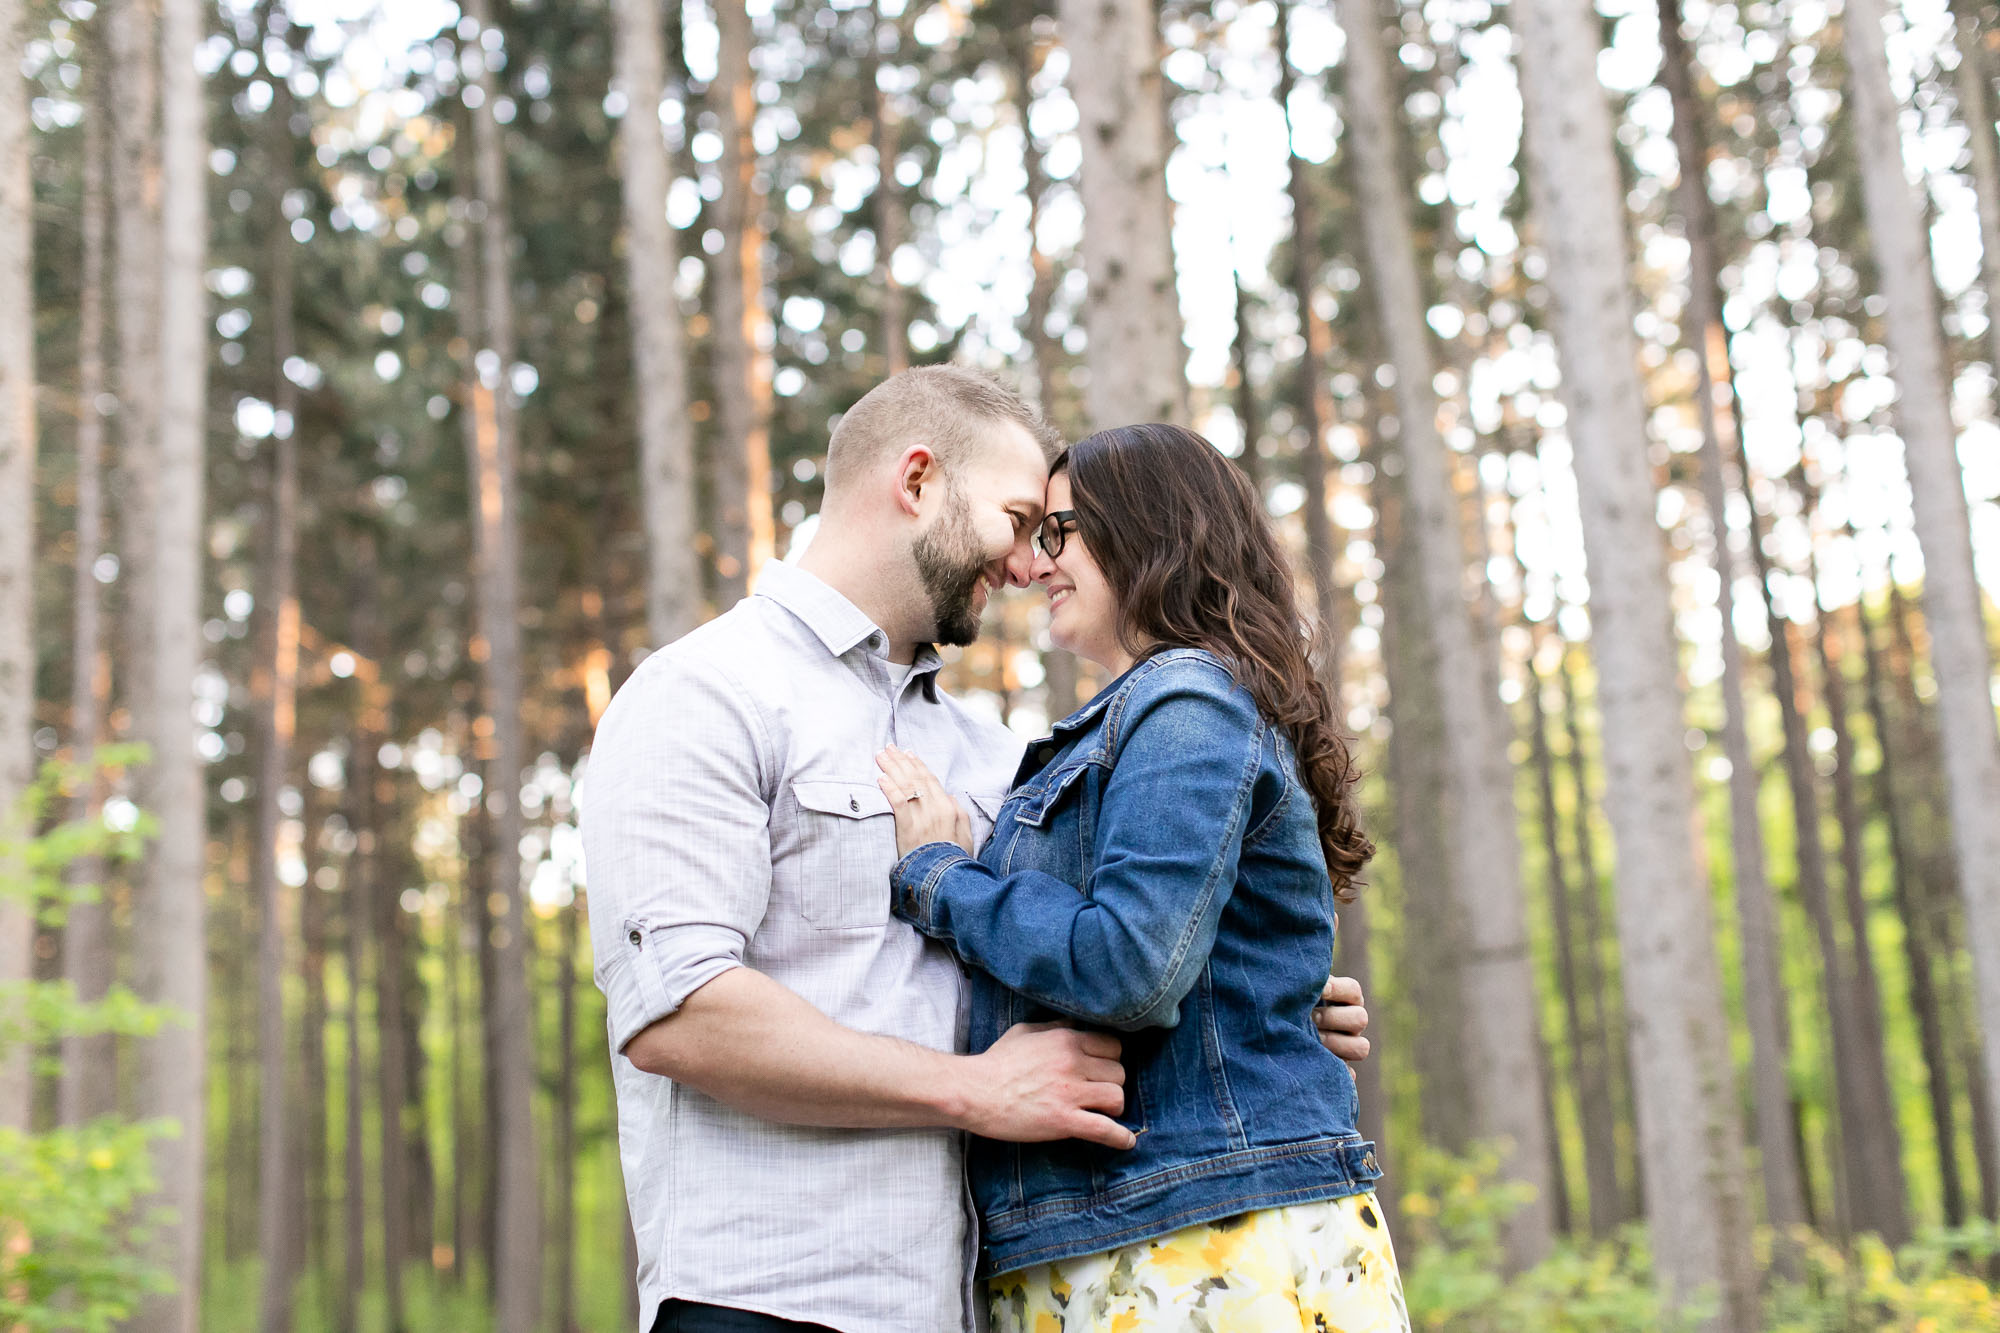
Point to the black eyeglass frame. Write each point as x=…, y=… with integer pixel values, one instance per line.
x=1061, y=523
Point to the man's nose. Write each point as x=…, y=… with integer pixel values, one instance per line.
x=1021, y=565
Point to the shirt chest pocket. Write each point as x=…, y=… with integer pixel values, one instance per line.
x=847, y=845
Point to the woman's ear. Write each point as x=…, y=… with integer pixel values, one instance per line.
x=916, y=469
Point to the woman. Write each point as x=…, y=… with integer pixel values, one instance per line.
x=1167, y=865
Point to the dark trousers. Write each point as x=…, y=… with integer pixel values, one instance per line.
x=687, y=1317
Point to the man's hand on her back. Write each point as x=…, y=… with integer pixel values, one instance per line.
x=1341, y=1019
x=1045, y=1081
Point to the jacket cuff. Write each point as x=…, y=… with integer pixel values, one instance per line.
x=914, y=882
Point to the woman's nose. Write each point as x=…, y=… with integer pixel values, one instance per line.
x=1041, y=569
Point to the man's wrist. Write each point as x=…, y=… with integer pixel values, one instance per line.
x=951, y=1091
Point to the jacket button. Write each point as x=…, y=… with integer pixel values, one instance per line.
x=1043, y=755
x=634, y=937
x=1368, y=1162
x=854, y=804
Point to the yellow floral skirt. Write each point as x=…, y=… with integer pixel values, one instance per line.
x=1323, y=1267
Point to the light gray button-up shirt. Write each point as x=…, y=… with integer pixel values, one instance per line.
x=731, y=819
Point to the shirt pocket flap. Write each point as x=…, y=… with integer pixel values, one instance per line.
x=986, y=803
x=851, y=800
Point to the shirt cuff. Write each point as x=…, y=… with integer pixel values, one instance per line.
x=659, y=968
x=914, y=882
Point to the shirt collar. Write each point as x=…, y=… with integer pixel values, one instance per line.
x=840, y=624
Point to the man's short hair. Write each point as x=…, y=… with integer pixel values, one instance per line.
x=945, y=407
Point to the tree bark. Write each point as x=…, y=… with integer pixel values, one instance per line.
x=373, y=898
x=1423, y=828
x=1137, y=363
x=1684, y=1084
x=886, y=203
x=1756, y=910
x=1917, y=944
x=742, y=337
x=172, y=969
x=1973, y=85
x=1595, y=1115
x=17, y=556
x=1060, y=672
x=1502, y=1037
x=1244, y=394
x=274, y=683
x=314, y=1020
x=1953, y=606
x=494, y=471
x=357, y=914
x=659, y=356
x=89, y=1080
x=1883, y=1202
x=565, y=1128
x=1314, y=405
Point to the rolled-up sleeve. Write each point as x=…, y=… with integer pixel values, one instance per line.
x=676, y=838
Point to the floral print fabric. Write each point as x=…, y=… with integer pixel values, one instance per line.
x=1324, y=1267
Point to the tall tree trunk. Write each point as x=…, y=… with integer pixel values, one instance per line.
x=355, y=918
x=1248, y=418
x=1423, y=829
x=1502, y=1037
x=565, y=1128
x=1314, y=406
x=1882, y=1203
x=1131, y=311
x=132, y=48
x=1599, y=990
x=659, y=356
x=89, y=1081
x=1972, y=82
x=314, y=1020
x=741, y=320
x=373, y=896
x=1595, y=1115
x=1917, y=944
x=172, y=968
x=1756, y=910
x=885, y=205
x=1061, y=676
x=494, y=471
x=17, y=499
x=1953, y=606
x=1684, y=1084
x=274, y=680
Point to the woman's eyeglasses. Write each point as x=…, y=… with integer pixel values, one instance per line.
x=1054, y=532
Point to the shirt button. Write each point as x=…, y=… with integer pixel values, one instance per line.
x=854, y=804
x=634, y=937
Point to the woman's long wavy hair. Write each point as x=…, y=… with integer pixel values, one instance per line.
x=1193, y=560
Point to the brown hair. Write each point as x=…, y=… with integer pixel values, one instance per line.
x=1194, y=562
x=945, y=407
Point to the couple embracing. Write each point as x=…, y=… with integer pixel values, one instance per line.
x=911, y=1029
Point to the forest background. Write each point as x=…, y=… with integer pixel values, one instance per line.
x=380, y=382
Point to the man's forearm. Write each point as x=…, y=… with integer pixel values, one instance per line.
x=751, y=1043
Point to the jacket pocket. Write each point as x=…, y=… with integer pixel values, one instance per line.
x=848, y=841
x=1039, y=802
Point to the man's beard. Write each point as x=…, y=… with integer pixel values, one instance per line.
x=948, y=562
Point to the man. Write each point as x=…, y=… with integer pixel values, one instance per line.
x=790, y=1105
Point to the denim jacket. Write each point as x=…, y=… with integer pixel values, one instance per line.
x=1157, y=870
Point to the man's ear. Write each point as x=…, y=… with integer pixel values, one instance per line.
x=916, y=469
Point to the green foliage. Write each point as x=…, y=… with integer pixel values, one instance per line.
x=69, y=1211
x=1452, y=1219
x=1931, y=1286
x=1453, y=1212
x=72, y=1231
